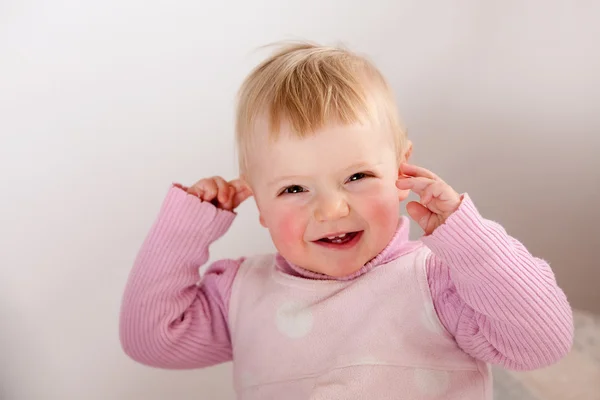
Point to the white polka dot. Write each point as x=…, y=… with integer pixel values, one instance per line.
x=429, y=319
x=294, y=320
x=431, y=382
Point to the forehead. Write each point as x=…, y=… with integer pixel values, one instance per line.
x=331, y=149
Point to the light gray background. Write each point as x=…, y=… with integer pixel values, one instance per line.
x=103, y=104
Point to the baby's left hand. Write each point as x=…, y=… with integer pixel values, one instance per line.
x=438, y=199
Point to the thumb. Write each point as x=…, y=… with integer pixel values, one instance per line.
x=419, y=213
x=242, y=192
x=241, y=196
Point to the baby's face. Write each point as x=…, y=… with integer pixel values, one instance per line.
x=329, y=201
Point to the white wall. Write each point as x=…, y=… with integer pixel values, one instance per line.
x=103, y=104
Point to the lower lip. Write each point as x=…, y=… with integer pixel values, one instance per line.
x=343, y=246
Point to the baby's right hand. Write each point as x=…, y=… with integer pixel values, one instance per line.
x=225, y=195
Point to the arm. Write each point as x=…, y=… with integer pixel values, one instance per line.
x=501, y=304
x=167, y=319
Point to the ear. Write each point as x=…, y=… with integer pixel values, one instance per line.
x=408, y=151
x=246, y=185
x=244, y=180
x=403, y=194
x=405, y=156
x=247, y=182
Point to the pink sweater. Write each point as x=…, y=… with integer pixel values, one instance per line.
x=501, y=304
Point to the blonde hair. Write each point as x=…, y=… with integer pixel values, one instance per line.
x=310, y=86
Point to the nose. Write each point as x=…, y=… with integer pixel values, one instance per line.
x=330, y=207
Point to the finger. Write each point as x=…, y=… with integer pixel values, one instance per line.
x=222, y=189
x=417, y=185
x=435, y=190
x=210, y=190
x=241, y=196
x=239, y=184
x=242, y=191
x=423, y=216
x=228, y=205
x=195, y=190
x=416, y=171
x=199, y=188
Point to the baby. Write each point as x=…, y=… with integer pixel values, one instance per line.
x=348, y=307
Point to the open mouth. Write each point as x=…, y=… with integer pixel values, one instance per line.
x=340, y=241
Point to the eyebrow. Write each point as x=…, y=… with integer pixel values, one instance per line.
x=362, y=165
x=356, y=166
x=283, y=178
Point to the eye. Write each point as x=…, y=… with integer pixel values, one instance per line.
x=358, y=176
x=293, y=189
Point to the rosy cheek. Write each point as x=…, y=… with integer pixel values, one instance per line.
x=382, y=207
x=384, y=212
x=390, y=215
x=289, y=227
